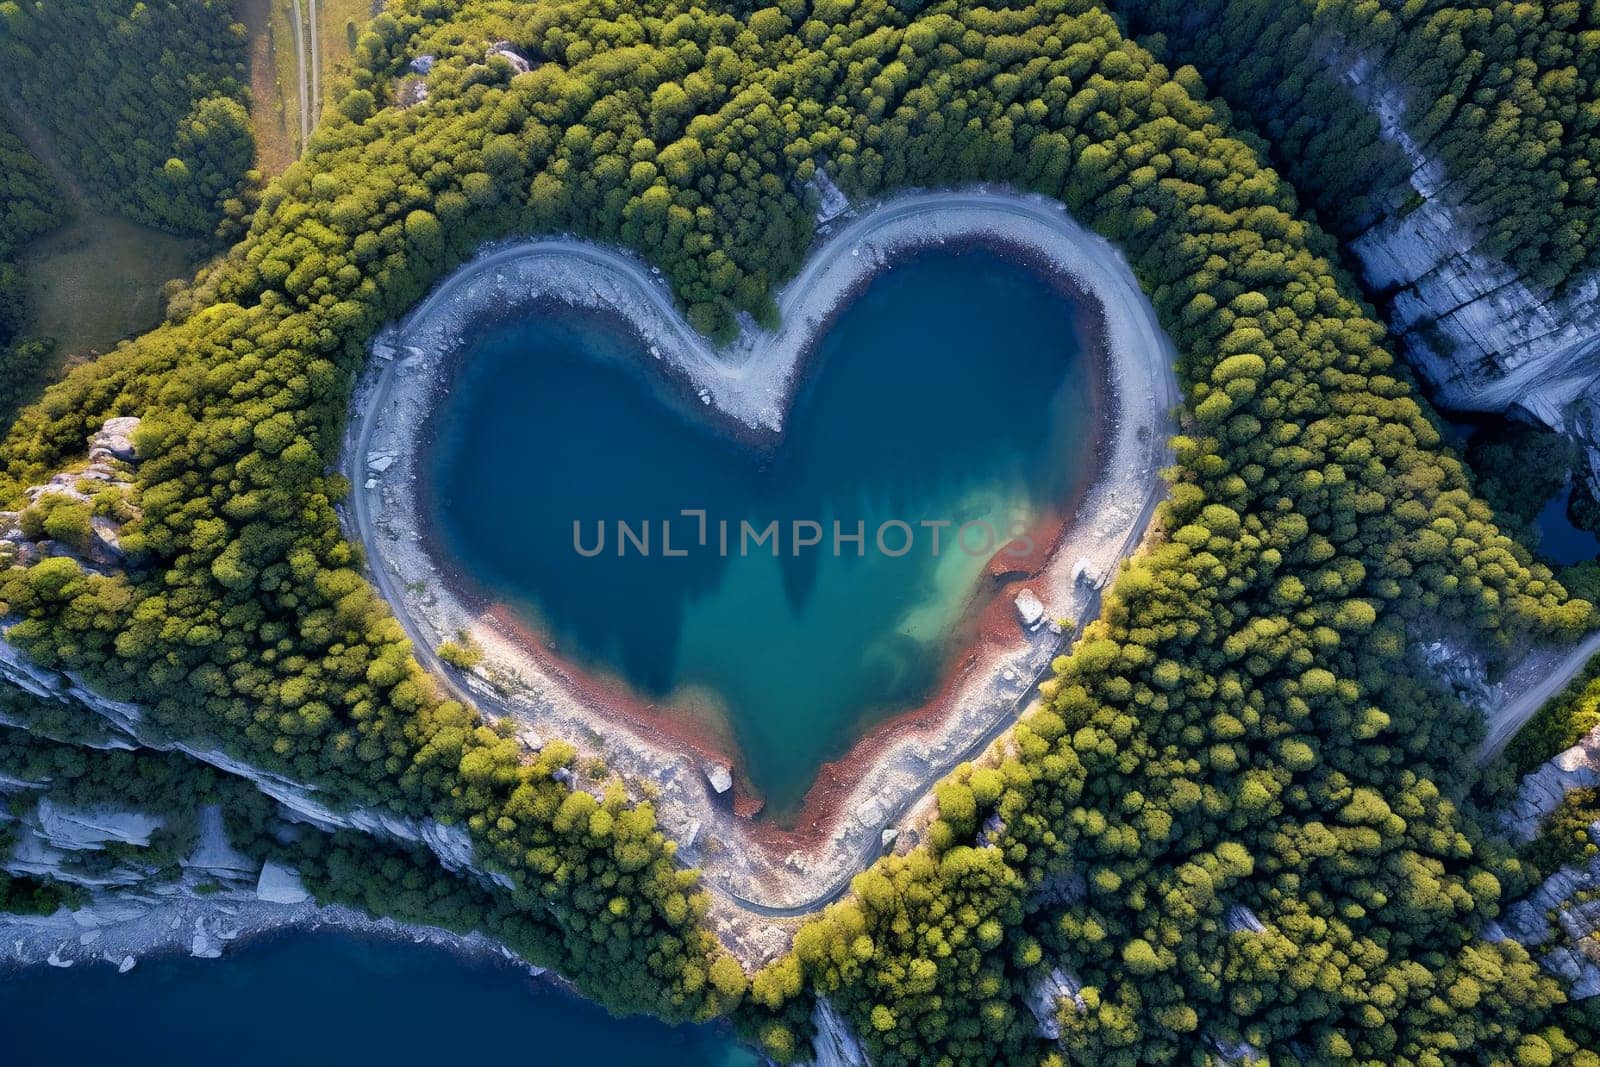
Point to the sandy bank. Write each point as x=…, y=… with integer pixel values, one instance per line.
x=750, y=383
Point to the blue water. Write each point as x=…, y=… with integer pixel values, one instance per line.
x=954, y=388
x=327, y=999
x=1559, y=540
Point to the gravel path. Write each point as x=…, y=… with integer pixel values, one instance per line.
x=1535, y=681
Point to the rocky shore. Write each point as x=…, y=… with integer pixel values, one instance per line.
x=748, y=387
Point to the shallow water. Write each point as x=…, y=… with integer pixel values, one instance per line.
x=327, y=999
x=953, y=388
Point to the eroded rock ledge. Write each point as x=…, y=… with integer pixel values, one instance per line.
x=1483, y=338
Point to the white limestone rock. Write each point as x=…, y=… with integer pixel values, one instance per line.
x=1237, y=1053
x=831, y=201
x=1030, y=609
x=1482, y=336
x=115, y=439
x=214, y=856
x=835, y=1044
x=508, y=52
x=89, y=829
x=202, y=944
x=1046, y=995
x=12, y=784
x=1543, y=789
x=720, y=775
x=1461, y=669
x=105, y=540
x=280, y=885
x=1240, y=919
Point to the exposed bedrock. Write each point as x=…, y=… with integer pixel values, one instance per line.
x=1559, y=922
x=112, y=458
x=1475, y=330
x=299, y=802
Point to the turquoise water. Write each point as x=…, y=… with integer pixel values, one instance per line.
x=954, y=388
x=327, y=1000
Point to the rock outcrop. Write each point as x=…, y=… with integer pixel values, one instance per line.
x=1462, y=670
x=1030, y=609
x=507, y=51
x=299, y=802
x=835, y=1044
x=91, y=829
x=1048, y=994
x=114, y=440
x=112, y=463
x=1542, y=789
x=280, y=885
x=1241, y=920
x=1559, y=923
x=214, y=857
x=720, y=777
x=29, y=536
x=1483, y=338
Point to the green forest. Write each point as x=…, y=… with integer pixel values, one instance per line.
x=1242, y=727
x=144, y=99
x=29, y=207
x=1503, y=95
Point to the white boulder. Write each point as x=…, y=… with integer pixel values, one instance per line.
x=115, y=439
x=1030, y=609
x=720, y=775
x=280, y=885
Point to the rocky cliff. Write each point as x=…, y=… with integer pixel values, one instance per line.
x=1559, y=923
x=1482, y=338
x=103, y=849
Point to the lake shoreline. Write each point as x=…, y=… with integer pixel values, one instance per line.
x=878, y=785
x=704, y=727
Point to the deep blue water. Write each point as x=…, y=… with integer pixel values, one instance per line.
x=1559, y=540
x=953, y=388
x=327, y=1000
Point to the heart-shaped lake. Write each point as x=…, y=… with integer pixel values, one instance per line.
x=949, y=406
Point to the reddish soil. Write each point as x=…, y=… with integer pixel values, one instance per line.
x=708, y=738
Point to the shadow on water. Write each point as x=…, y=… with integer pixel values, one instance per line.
x=328, y=1000
x=1560, y=541
x=953, y=387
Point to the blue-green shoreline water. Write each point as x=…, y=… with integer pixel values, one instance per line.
x=952, y=387
x=327, y=999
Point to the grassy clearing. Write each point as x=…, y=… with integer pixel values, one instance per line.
x=274, y=83
x=340, y=23
x=98, y=280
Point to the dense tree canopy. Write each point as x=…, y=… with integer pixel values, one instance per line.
x=1243, y=728
x=145, y=100
x=1505, y=95
x=29, y=207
